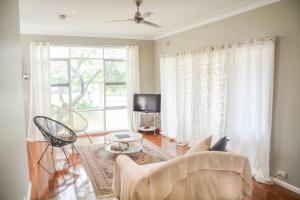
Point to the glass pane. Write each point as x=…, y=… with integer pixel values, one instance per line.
x=115, y=71
x=59, y=52
x=58, y=72
x=116, y=120
x=87, y=84
x=86, y=52
x=95, y=120
x=60, y=96
x=115, y=52
x=115, y=95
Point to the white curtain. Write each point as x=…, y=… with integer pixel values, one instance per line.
x=249, y=107
x=222, y=91
x=201, y=96
x=133, y=84
x=168, y=96
x=39, y=87
x=193, y=94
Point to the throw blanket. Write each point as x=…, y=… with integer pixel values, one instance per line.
x=204, y=175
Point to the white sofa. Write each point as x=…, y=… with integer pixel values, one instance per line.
x=205, y=175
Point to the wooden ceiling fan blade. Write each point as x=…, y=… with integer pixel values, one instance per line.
x=119, y=20
x=150, y=24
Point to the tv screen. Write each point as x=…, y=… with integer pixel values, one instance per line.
x=146, y=102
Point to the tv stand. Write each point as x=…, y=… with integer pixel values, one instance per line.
x=147, y=127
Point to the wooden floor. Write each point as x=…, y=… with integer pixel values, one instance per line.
x=73, y=183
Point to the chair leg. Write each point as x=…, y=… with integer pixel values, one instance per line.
x=65, y=155
x=73, y=146
x=43, y=154
x=88, y=136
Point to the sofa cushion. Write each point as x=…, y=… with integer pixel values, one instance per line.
x=202, y=145
x=220, y=145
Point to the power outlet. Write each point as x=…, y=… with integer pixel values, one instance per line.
x=283, y=174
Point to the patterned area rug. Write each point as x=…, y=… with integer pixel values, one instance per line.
x=99, y=164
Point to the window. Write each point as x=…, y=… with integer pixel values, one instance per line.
x=92, y=81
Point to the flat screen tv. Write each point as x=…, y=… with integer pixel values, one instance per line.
x=146, y=103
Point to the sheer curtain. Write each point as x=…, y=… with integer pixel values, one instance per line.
x=201, y=94
x=222, y=91
x=39, y=87
x=168, y=96
x=193, y=88
x=133, y=84
x=249, y=107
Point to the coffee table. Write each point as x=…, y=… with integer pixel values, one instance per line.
x=133, y=143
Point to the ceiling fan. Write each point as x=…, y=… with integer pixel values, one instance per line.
x=138, y=17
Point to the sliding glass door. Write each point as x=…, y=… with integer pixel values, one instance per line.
x=91, y=81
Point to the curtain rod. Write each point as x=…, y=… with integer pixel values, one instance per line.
x=223, y=46
x=82, y=45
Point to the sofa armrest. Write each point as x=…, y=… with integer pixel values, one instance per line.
x=125, y=177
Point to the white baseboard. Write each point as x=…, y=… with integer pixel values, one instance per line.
x=287, y=185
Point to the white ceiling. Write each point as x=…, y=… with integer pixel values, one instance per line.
x=84, y=16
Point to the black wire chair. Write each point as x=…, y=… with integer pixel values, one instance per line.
x=56, y=134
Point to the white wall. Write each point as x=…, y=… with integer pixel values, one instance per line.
x=13, y=157
x=280, y=19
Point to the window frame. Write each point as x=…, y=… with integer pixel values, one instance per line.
x=105, y=83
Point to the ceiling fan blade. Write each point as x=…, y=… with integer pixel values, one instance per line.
x=147, y=14
x=120, y=20
x=150, y=24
